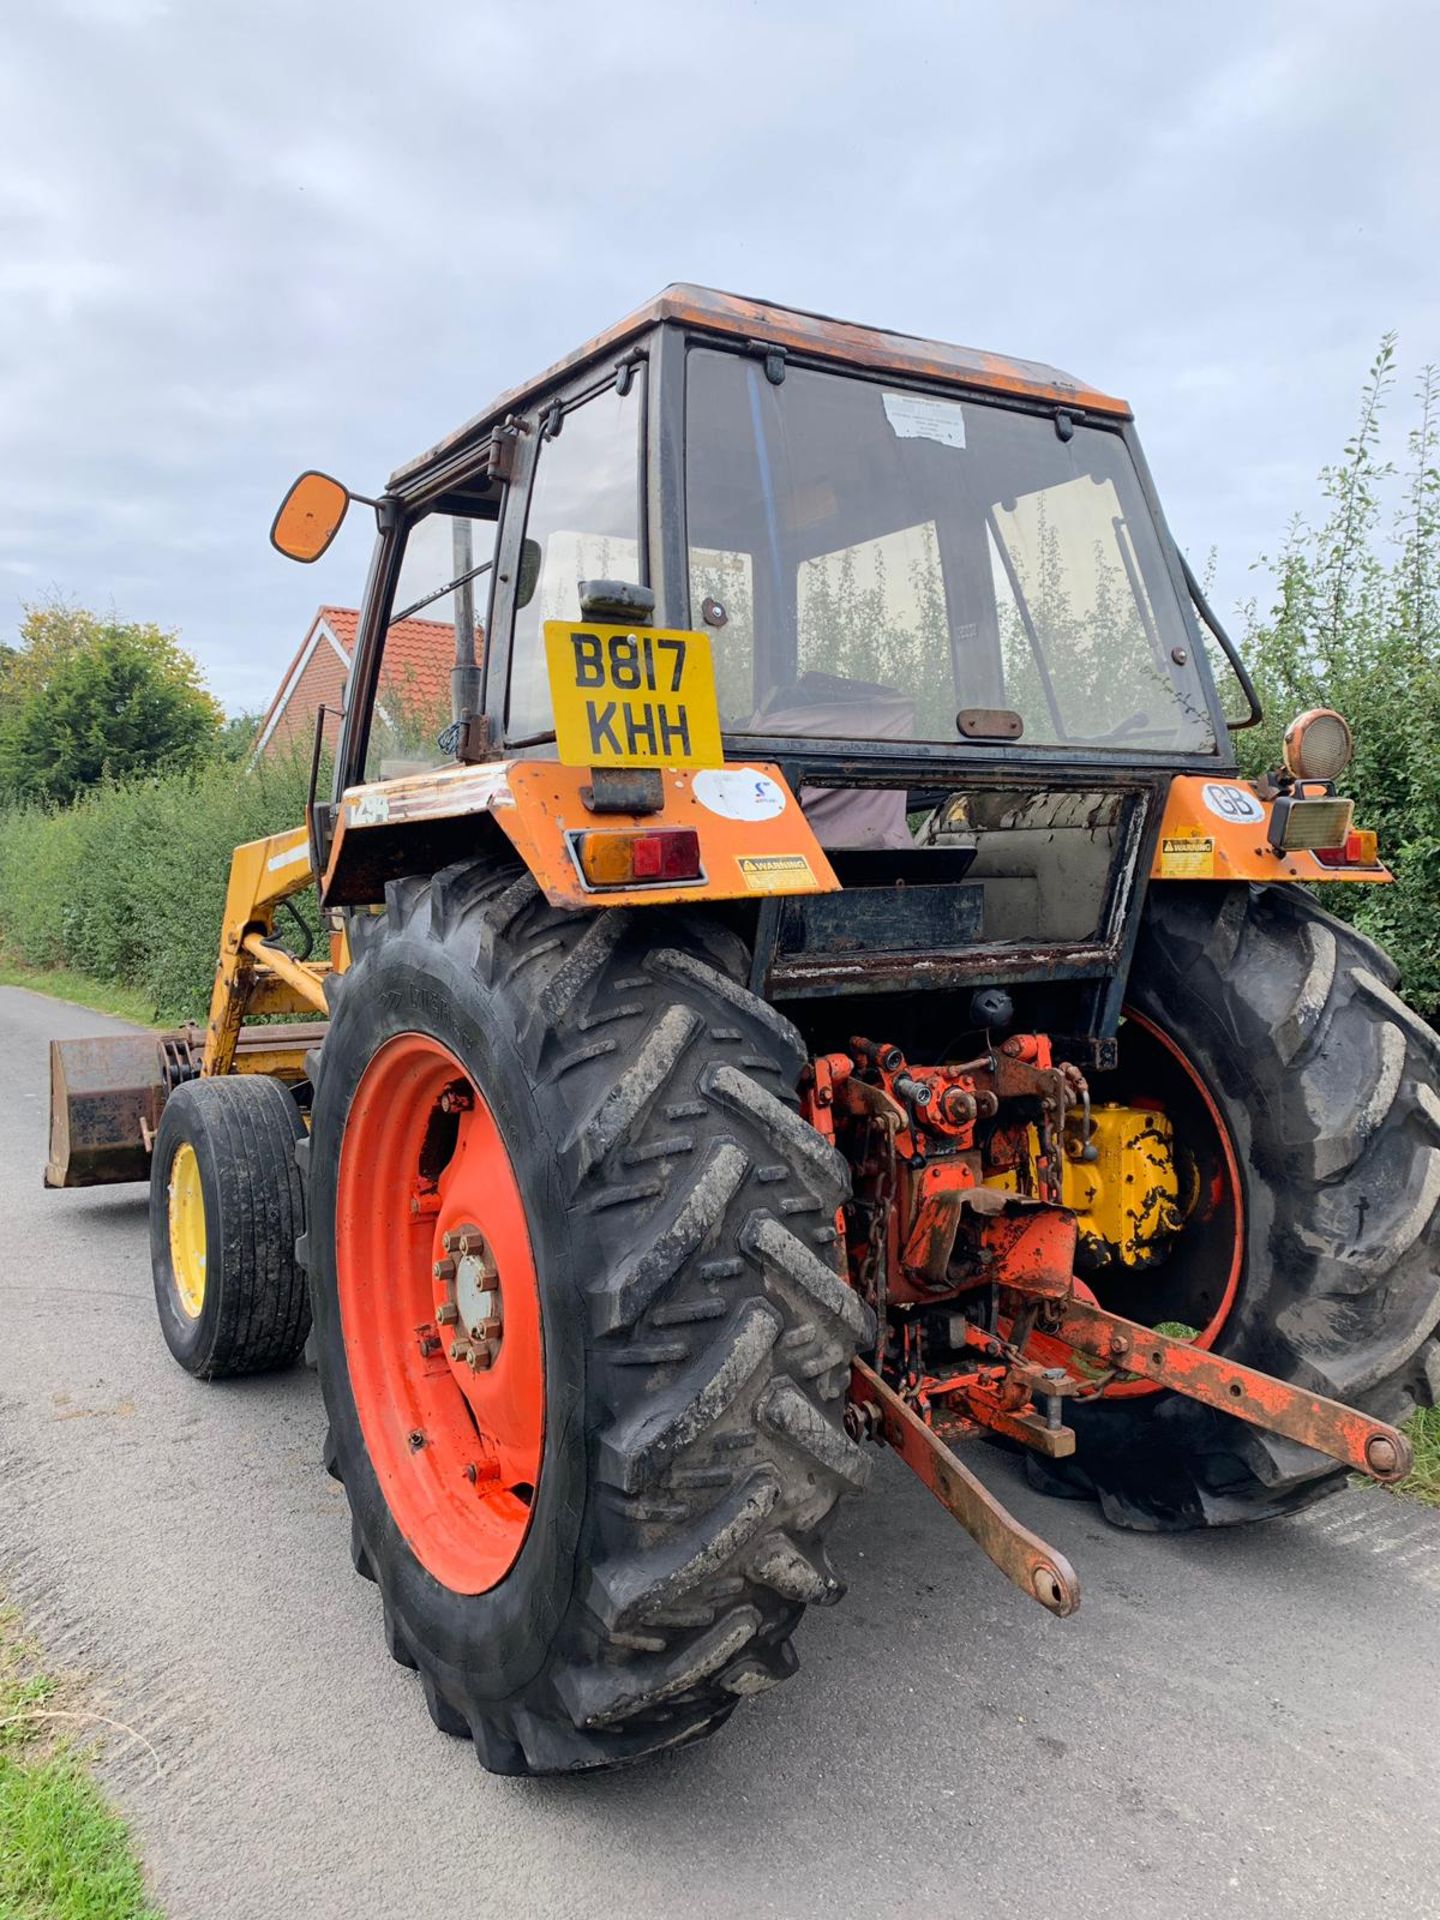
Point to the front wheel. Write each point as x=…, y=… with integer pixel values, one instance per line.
x=581, y=1326
x=1309, y=1094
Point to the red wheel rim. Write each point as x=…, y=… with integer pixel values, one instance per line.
x=430, y=1228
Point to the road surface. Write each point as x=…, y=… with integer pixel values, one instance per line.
x=1243, y=1723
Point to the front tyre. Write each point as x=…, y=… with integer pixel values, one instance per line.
x=1327, y=1085
x=580, y=1323
x=225, y=1211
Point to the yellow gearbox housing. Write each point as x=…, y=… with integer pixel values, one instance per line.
x=1127, y=1196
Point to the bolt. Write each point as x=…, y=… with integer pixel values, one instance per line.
x=447, y=1313
x=456, y=1100
x=470, y=1473
x=429, y=1343
x=1381, y=1454
x=415, y=1440
x=1119, y=1343
x=824, y=1096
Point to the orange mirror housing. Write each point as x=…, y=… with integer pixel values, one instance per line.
x=309, y=517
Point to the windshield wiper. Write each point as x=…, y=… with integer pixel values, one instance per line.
x=439, y=593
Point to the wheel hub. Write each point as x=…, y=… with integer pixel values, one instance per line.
x=468, y=1281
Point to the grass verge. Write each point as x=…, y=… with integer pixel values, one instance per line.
x=1423, y=1481
x=123, y=1002
x=64, y=1855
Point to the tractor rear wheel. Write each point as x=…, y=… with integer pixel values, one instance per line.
x=580, y=1322
x=225, y=1209
x=1326, y=1084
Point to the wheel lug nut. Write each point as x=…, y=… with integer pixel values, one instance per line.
x=444, y=1269
x=461, y=1350
x=447, y=1313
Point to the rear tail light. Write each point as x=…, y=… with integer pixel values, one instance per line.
x=1361, y=849
x=644, y=857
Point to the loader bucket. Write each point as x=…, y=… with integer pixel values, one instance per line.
x=105, y=1101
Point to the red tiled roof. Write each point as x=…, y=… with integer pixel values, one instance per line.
x=417, y=661
x=415, y=670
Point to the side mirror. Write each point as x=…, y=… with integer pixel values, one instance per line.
x=309, y=517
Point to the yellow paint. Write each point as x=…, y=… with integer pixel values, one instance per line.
x=249, y=980
x=632, y=696
x=187, y=1230
x=1127, y=1199
x=776, y=872
x=1187, y=856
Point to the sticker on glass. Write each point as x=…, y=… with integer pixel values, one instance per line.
x=915, y=416
x=737, y=793
x=1232, y=803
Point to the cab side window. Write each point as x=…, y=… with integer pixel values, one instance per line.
x=583, y=524
x=444, y=578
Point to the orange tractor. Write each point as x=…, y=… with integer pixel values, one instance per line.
x=819, y=979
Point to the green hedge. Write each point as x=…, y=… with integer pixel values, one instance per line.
x=128, y=884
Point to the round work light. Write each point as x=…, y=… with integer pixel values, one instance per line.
x=1318, y=745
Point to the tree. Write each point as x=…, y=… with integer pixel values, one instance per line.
x=1355, y=625
x=84, y=699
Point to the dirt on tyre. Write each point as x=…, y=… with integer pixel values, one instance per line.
x=581, y=1324
x=1328, y=1088
x=226, y=1207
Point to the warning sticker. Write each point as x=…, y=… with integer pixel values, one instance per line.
x=1188, y=856
x=776, y=872
x=915, y=416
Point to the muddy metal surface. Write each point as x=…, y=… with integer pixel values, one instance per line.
x=1235, y=1724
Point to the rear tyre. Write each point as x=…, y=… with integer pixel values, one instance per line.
x=1327, y=1084
x=677, y=1241
x=225, y=1211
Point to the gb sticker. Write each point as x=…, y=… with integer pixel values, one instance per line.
x=1231, y=803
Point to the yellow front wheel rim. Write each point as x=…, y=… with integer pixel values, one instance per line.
x=187, y=1229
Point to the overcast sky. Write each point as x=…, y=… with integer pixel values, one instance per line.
x=241, y=238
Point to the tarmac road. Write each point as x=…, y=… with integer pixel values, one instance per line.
x=1237, y=1723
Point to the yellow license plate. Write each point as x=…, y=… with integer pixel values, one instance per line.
x=632, y=696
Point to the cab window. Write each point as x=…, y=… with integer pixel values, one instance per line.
x=583, y=524
x=444, y=577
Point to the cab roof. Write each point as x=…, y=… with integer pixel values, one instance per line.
x=875, y=349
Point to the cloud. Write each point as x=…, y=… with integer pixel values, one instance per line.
x=240, y=239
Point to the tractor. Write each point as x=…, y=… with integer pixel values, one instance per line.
x=806, y=973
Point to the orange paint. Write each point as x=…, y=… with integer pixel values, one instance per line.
x=457, y=1452
x=1216, y=829
x=538, y=804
